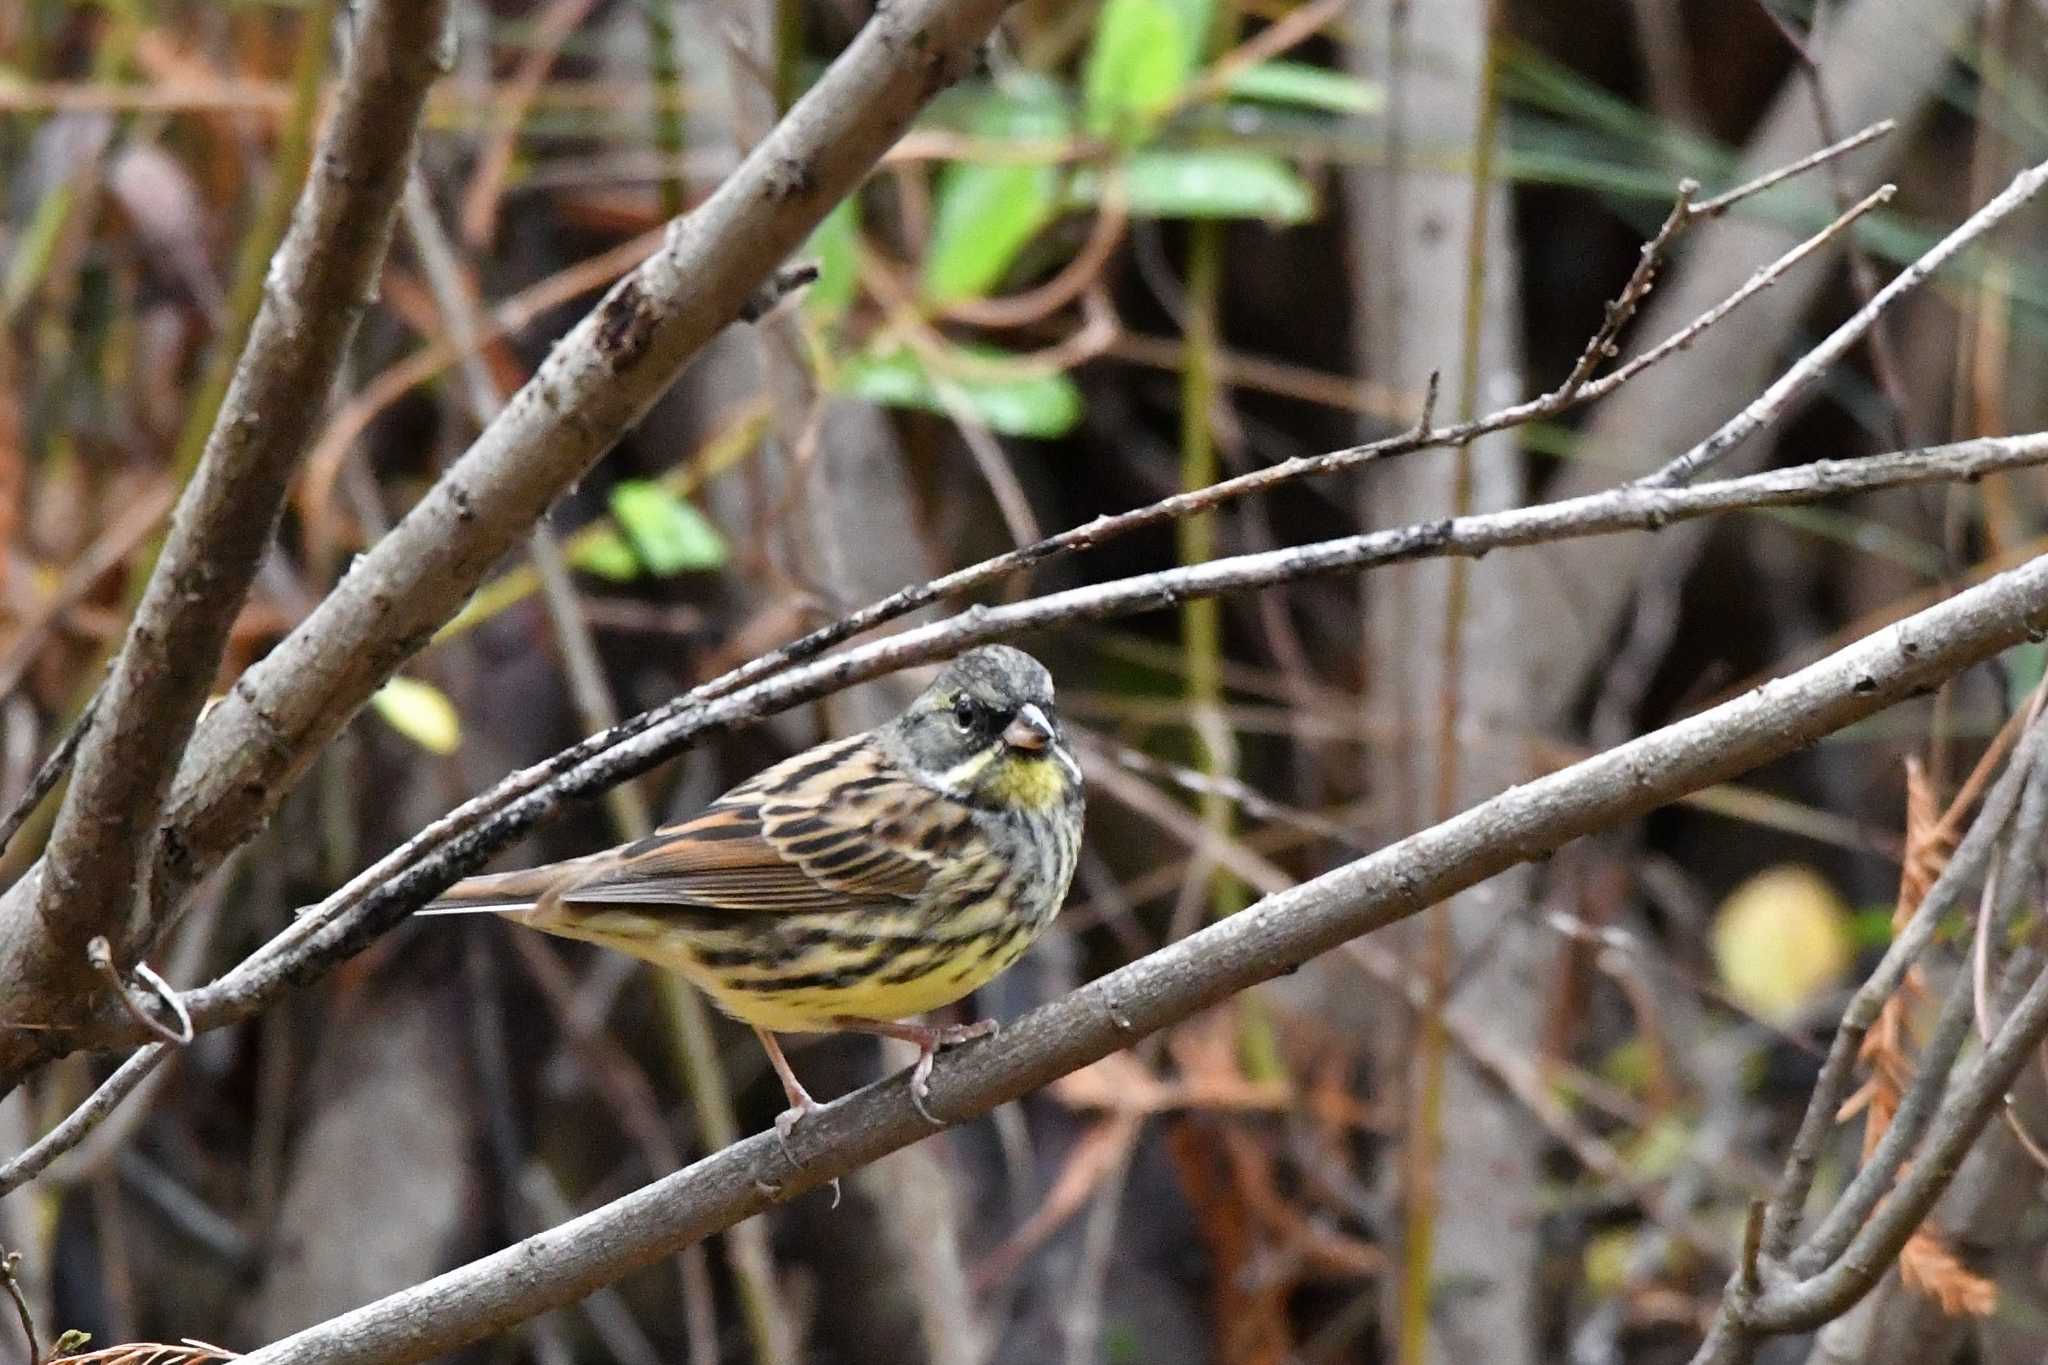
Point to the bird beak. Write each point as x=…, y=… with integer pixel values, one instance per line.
x=1030, y=730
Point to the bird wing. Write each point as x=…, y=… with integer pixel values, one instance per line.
x=838, y=827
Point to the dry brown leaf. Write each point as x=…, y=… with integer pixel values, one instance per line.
x=1928, y=1265
x=1250, y=1308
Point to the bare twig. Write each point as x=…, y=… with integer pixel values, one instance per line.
x=1837, y=1072
x=75, y=1125
x=1968, y=1104
x=1884, y=360
x=1269, y=937
x=1802, y=376
x=1686, y=210
x=10, y=1265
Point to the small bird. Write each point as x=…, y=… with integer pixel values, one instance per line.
x=854, y=886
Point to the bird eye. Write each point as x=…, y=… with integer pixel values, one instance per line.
x=965, y=711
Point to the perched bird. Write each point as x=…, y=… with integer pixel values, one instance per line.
x=853, y=886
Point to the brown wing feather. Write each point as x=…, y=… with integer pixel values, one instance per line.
x=837, y=827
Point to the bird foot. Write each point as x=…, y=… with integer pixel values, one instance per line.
x=802, y=1107
x=948, y=1035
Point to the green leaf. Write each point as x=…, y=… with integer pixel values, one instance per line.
x=2024, y=664
x=667, y=533
x=1042, y=406
x=1144, y=54
x=1307, y=87
x=832, y=244
x=1212, y=182
x=986, y=215
x=989, y=211
x=421, y=712
x=605, y=553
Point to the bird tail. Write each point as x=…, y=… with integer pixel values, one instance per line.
x=500, y=893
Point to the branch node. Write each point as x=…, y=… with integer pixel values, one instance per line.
x=1423, y=423
x=776, y=288
x=1752, y=1244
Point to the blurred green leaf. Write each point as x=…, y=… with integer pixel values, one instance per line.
x=1210, y=182
x=1871, y=927
x=2024, y=665
x=667, y=533
x=1307, y=87
x=606, y=554
x=987, y=212
x=832, y=245
x=421, y=712
x=1039, y=406
x=1144, y=53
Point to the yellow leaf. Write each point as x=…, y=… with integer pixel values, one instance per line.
x=1780, y=940
x=421, y=712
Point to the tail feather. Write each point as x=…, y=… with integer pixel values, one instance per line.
x=496, y=892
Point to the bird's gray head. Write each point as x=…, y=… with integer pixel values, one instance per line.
x=987, y=731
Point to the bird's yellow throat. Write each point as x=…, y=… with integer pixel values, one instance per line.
x=1032, y=782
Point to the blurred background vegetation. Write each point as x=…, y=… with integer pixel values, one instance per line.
x=1149, y=243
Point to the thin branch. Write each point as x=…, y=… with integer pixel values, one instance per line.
x=1968, y=1105
x=10, y=1266
x=1270, y=937
x=1838, y=1071
x=1915, y=1113
x=384, y=893
x=1727, y=199
x=82, y=1120
x=1808, y=371
x=1884, y=360
x=106, y=835
x=1685, y=211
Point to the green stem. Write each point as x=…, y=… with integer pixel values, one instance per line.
x=669, y=134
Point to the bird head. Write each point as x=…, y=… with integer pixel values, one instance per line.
x=987, y=732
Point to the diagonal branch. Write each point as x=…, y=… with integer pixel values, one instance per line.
x=383, y=894
x=106, y=835
x=1278, y=933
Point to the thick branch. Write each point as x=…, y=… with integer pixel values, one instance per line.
x=1271, y=937
x=105, y=838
